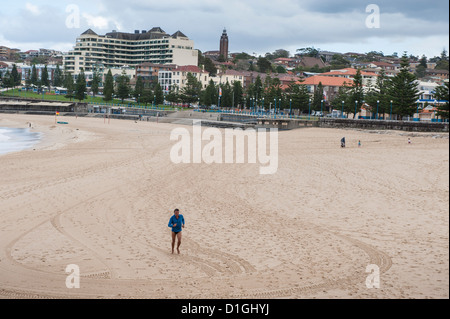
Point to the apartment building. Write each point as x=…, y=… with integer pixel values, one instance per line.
x=94, y=52
x=7, y=53
x=176, y=78
x=149, y=72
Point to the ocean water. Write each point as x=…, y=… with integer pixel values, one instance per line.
x=17, y=139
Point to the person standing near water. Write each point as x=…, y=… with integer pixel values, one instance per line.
x=177, y=223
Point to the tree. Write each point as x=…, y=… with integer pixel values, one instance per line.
x=123, y=86
x=69, y=85
x=258, y=88
x=339, y=62
x=442, y=94
x=264, y=65
x=422, y=67
x=237, y=93
x=280, y=69
x=227, y=95
x=173, y=96
x=34, y=78
x=299, y=95
x=108, y=89
x=310, y=51
x=15, y=76
x=158, y=94
x=442, y=61
x=210, y=94
x=378, y=97
x=8, y=80
x=318, y=97
x=95, y=83
x=44, y=77
x=191, y=92
x=280, y=53
x=147, y=96
x=357, y=92
x=344, y=99
x=403, y=90
x=57, y=77
x=139, y=88
x=28, y=78
x=80, y=87
x=242, y=56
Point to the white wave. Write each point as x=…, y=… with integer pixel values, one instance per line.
x=17, y=139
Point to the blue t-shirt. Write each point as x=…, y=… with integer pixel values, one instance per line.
x=173, y=220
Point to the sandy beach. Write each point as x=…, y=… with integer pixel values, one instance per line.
x=99, y=195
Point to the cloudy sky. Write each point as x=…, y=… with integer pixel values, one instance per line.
x=253, y=26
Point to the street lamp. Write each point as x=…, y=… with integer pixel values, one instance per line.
x=309, y=117
x=390, y=117
x=378, y=103
x=290, y=108
x=356, y=106
x=275, y=107
x=262, y=105
x=342, y=113
x=435, y=107
x=435, y=115
x=418, y=117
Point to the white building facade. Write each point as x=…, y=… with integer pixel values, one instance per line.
x=115, y=50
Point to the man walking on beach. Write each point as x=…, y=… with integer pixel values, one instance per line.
x=177, y=223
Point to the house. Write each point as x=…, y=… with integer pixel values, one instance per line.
x=390, y=69
x=430, y=65
x=330, y=85
x=368, y=78
x=310, y=62
x=440, y=74
x=288, y=63
x=427, y=91
x=213, y=55
x=328, y=56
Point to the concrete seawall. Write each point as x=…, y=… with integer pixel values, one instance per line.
x=29, y=106
x=385, y=125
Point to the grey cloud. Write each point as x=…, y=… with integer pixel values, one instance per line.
x=430, y=10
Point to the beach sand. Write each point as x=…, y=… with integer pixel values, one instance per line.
x=100, y=196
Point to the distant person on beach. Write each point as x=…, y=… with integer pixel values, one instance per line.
x=359, y=143
x=343, y=142
x=409, y=141
x=177, y=223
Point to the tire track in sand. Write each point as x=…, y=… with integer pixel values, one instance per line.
x=376, y=257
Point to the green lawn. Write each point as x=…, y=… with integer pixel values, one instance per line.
x=90, y=99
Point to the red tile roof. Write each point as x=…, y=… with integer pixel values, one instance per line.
x=348, y=71
x=327, y=81
x=190, y=68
